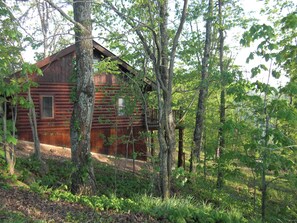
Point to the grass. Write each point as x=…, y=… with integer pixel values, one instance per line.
x=196, y=200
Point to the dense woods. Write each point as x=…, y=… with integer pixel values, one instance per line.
x=229, y=67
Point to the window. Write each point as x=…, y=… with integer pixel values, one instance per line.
x=47, y=107
x=95, y=65
x=121, y=107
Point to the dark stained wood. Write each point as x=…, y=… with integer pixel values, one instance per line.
x=105, y=120
x=181, y=154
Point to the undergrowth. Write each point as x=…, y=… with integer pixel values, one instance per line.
x=196, y=198
x=14, y=217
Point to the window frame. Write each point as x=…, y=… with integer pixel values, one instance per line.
x=42, y=116
x=96, y=60
x=121, y=107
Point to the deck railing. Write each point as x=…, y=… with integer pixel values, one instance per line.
x=153, y=116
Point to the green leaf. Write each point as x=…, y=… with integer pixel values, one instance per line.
x=11, y=139
x=276, y=74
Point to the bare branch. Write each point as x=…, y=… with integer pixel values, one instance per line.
x=66, y=16
x=176, y=38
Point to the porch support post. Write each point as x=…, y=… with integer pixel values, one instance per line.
x=152, y=144
x=180, y=160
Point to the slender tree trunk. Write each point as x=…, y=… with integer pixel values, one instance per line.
x=199, y=126
x=163, y=63
x=43, y=12
x=204, y=157
x=164, y=73
x=33, y=124
x=9, y=153
x=263, y=173
x=264, y=152
x=221, y=137
x=264, y=160
x=264, y=194
x=166, y=139
x=83, y=179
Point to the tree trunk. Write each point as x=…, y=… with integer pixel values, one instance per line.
x=264, y=162
x=264, y=154
x=199, y=126
x=164, y=74
x=9, y=154
x=221, y=136
x=163, y=63
x=43, y=12
x=263, y=193
x=83, y=179
x=33, y=124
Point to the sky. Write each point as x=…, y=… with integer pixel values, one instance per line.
x=251, y=7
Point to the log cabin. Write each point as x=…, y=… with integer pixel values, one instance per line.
x=114, y=132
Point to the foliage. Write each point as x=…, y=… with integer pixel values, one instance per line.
x=14, y=217
x=249, y=148
x=186, y=210
x=124, y=192
x=174, y=209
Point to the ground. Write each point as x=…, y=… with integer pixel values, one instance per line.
x=39, y=207
x=25, y=148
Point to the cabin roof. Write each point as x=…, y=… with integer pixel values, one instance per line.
x=96, y=46
x=99, y=48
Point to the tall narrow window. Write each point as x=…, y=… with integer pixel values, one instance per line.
x=121, y=107
x=47, y=107
x=95, y=65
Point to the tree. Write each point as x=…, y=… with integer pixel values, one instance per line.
x=222, y=98
x=203, y=91
x=149, y=23
x=276, y=48
x=83, y=179
x=9, y=38
x=47, y=32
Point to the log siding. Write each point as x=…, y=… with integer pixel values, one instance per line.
x=107, y=125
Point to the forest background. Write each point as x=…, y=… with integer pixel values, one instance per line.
x=237, y=124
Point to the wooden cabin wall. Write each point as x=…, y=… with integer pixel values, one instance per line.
x=106, y=123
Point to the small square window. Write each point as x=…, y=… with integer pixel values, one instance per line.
x=47, y=107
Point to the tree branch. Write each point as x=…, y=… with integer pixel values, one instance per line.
x=176, y=38
x=146, y=47
x=66, y=16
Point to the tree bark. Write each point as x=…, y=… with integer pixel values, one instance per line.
x=199, y=126
x=166, y=130
x=83, y=179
